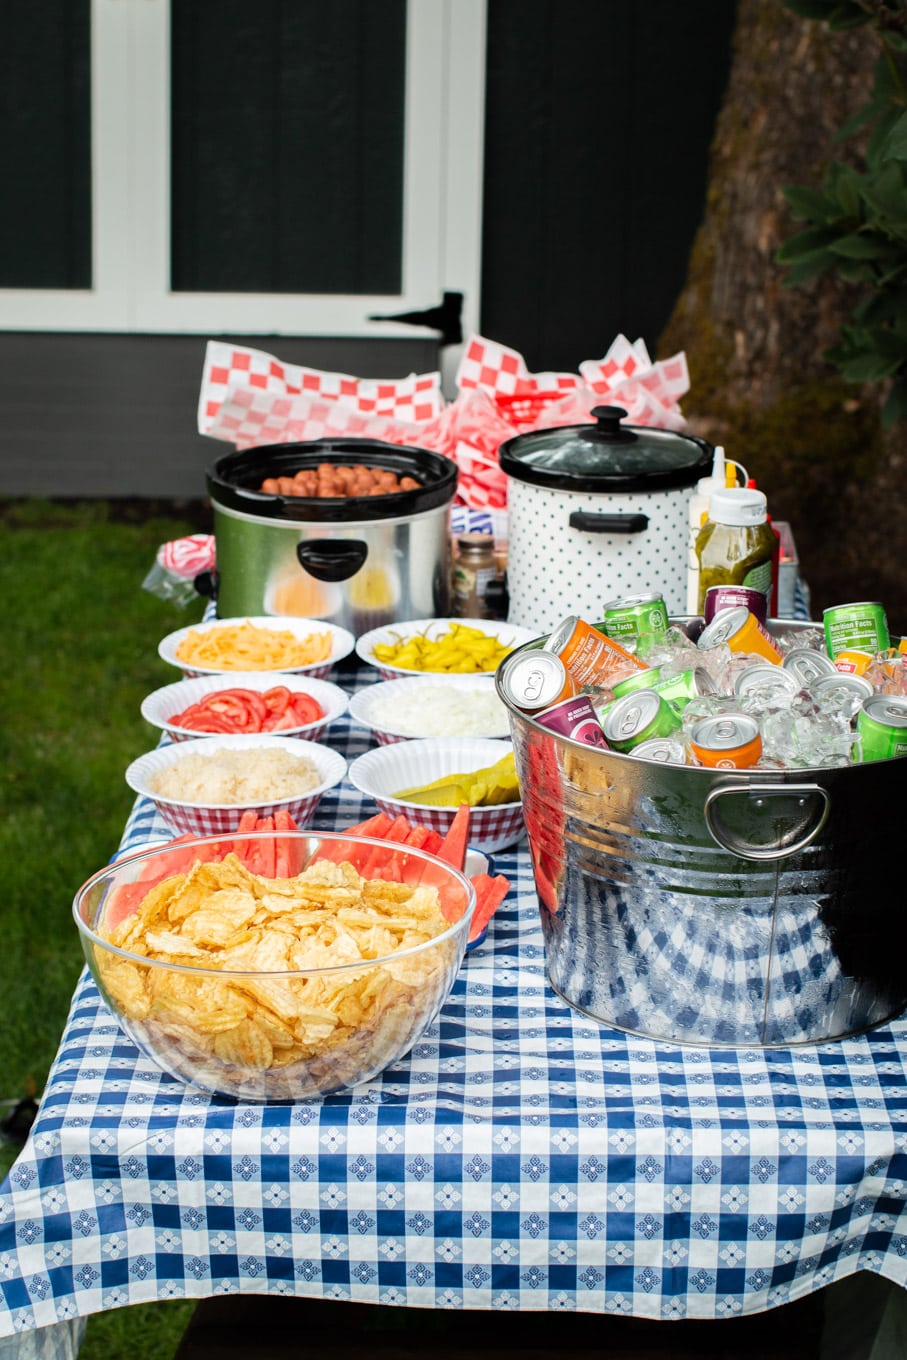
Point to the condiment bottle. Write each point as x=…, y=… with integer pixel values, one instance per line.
x=698, y=512
x=474, y=569
x=736, y=544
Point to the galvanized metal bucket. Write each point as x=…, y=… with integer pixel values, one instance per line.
x=729, y=908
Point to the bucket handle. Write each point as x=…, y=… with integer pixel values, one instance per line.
x=807, y=794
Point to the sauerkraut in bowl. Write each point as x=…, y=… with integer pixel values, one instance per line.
x=204, y=786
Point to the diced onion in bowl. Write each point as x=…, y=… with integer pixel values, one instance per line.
x=442, y=713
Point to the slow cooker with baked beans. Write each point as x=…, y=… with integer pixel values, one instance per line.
x=364, y=544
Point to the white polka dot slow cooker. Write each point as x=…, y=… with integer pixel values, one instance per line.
x=595, y=512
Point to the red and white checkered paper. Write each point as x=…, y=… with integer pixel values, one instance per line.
x=650, y=391
x=250, y=398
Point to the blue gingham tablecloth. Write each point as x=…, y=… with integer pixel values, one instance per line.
x=521, y=1157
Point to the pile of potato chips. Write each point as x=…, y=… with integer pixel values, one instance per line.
x=268, y=1028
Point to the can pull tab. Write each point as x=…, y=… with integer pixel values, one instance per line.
x=766, y=821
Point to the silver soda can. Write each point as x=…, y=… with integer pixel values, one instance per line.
x=755, y=677
x=840, y=682
x=666, y=750
x=807, y=665
x=535, y=680
x=732, y=597
x=574, y=718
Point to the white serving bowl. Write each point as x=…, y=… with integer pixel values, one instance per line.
x=212, y=819
x=342, y=643
x=162, y=704
x=411, y=696
x=404, y=764
x=507, y=633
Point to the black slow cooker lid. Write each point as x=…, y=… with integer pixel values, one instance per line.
x=233, y=481
x=606, y=456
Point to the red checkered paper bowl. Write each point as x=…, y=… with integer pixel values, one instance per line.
x=342, y=643
x=217, y=819
x=406, y=764
x=162, y=705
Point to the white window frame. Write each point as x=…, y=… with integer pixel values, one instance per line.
x=130, y=111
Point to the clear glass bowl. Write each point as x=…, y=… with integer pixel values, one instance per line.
x=211, y=989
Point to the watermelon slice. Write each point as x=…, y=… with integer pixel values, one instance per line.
x=453, y=846
x=490, y=893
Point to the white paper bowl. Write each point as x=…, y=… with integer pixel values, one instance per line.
x=160, y=706
x=342, y=643
x=220, y=818
x=508, y=633
x=411, y=695
x=403, y=764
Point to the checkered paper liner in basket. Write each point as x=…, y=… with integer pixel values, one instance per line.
x=251, y=398
x=627, y=376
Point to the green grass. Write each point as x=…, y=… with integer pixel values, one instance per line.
x=80, y=652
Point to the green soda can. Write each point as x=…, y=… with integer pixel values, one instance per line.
x=638, y=680
x=882, y=727
x=627, y=619
x=637, y=717
x=860, y=627
x=678, y=690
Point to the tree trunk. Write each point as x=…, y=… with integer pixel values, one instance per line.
x=759, y=383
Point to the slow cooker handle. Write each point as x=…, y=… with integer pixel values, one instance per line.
x=332, y=559
x=591, y=523
x=813, y=801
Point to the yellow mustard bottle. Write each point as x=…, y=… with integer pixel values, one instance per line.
x=736, y=544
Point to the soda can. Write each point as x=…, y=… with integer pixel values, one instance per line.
x=591, y=657
x=718, y=598
x=535, y=680
x=727, y=741
x=667, y=750
x=857, y=685
x=574, y=718
x=742, y=632
x=754, y=677
x=679, y=690
x=882, y=727
x=861, y=626
x=638, y=680
x=636, y=717
x=634, y=615
x=807, y=665
x=852, y=662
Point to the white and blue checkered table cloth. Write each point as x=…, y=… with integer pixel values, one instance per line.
x=521, y=1157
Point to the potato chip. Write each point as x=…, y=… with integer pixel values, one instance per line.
x=247, y=1045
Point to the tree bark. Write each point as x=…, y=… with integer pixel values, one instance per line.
x=759, y=383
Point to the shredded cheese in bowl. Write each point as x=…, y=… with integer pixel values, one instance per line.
x=440, y=712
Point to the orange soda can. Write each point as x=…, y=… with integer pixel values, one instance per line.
x=742, y=632
x=727, y=741
x=590, y=656
x=853, y=662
